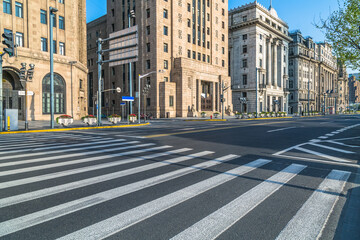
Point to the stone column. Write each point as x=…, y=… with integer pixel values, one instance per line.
x=276, y=59
x=268, y=62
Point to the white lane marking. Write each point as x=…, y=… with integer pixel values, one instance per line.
x=94, y=180
x=219, y=221
x=322, y=155
x=343, y=139
x=130, y=136
x=342, y=144
x=57, y=147
x=60, y=164
x=28, y=139
x=331, y=148
x=323, y=137
x=37, y=160
x=324, y=122
x=184, y=129
x=281, y=129
x=45, y=215
x=288, y=149
x=44, y=177
x=329, y=134
x=322, y=161
x=126, y=219
x=309, y=221
x=335, y=132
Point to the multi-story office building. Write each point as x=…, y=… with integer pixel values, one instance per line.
x=258, y=58
x=313, y=76
x=188, y=39
x=354, y=89
x=29, y=23
x=342, y=99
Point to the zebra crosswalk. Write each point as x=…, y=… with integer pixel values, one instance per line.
x=44, y=183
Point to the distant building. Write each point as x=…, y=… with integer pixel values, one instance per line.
x=187, y=39
x=354, y=88
x=258, y=59
x=342, y=89
x=29, y=22
x=314, y=77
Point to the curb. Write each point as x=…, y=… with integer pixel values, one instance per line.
x=206, y=120
x=74, y=129
x=254, y=119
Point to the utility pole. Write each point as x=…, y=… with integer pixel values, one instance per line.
x=51, y=42
x=131, y=15
x=256, y=93
x=99, y=43
x=222, y=99
x=1, y=92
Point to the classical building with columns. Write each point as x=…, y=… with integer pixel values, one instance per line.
x=258, y=45
x=315, y=81
x=187, y=39
x=28, y=21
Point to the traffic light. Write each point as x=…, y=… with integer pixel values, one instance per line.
x=31, y=71
x=22, y=74
x=9, y=42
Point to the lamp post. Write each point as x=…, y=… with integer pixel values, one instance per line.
x=72, y=100
x=51, y=16
x=118, y=90
x=131, y=15
x=140, y=77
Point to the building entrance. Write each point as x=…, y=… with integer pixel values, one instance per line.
x=11, y=86
x=206, y=96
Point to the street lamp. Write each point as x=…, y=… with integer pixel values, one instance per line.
x=131, y=15
x=51, y=16
x=140, y=77
x=72, y=101
x=118, y=90
x=25, y=76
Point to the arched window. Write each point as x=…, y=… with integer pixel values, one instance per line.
x=59, y=94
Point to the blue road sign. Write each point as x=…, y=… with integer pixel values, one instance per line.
x=127, y=99
x=122, y=104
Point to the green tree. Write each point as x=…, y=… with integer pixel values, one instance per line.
x=342, y=31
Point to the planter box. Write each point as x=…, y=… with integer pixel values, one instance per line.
x=114, y=120
x=216, y=115
x=132, y=119
x=65, y=121
x=90, y=121
x=203, y=115
x=238, y=116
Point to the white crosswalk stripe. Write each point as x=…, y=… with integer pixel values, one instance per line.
x=130, y=159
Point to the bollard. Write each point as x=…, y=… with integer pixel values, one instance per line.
x=8, y=123
x=210, y=116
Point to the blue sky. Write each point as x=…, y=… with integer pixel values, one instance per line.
x=299, y=14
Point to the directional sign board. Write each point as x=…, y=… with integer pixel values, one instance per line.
x=29, y=93
x=122, y=104
x=124, y=47
x=127, y=99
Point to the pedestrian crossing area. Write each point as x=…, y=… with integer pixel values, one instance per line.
x=109, y=187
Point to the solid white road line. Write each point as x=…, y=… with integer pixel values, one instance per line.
x=36, y=160
x=329, y=134
x=322, y=155
x=45, y=215
x=287, y=149
x=323, y=137
x=60, y=164
x=126, y=219
x=130, y=136
x=218, y=222
x=343, y=139
x=44, y=177
x=322, y=161
x=57, y=147
x=342, y=144
x=310, y=220
x=94, y=180
x=331, y=148
x=36, y=138
x=281, y=129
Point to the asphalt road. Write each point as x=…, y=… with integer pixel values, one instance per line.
x=263, y=179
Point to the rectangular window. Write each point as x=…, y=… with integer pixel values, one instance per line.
x=61, y=23
x=189, y=53
x=19, y=9
x=44, y=45
x=43, y=18
x=166, y=66
x=19, y=39
x=165, y=13
x=244, y=49
x=166, y=48
x=61, y=1
x=261, y=49
x=147, y=30
x=54, y=46
x=148, y=47
x=244, y=37
x=171, y=101
x=244, y=78
x=244, y=61
x=148, y=12
x=148, y=64
x=62, y=48
x=7, y=6
x=165, y=30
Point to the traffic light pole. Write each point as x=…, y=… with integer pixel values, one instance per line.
x=99, y=42
x=51, y=42
x=1, y=93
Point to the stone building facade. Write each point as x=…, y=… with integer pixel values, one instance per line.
x=354, y=89
x=186, y=38
x=314, y=77
x=29, y=22
x=258, y=58
x=342, y=89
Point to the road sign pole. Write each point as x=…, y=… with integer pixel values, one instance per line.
x=1, y=93
x=26, y=108
x=139, y=98
x=99, y=82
